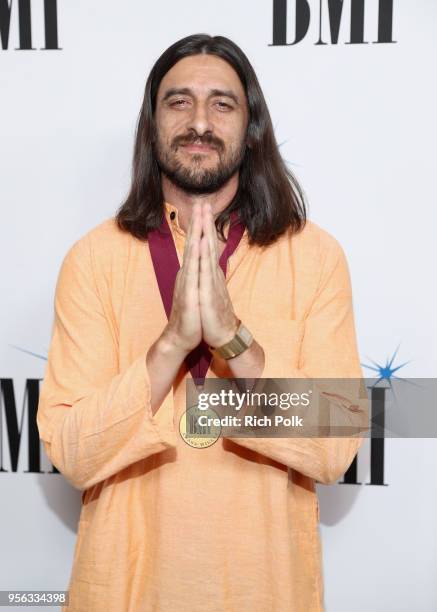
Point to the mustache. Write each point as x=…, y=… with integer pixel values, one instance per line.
x=207, y=139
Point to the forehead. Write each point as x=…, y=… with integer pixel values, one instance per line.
x=202, y=73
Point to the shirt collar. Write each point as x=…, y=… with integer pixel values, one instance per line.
x=171, y=214
x=170, y=207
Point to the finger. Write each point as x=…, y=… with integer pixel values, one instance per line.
x=205, y=275
x=215, y=243
x=191, y=227
x=211, y=235
x=193, y=250
x=192, y=236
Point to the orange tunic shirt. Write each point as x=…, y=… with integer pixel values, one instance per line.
x=166, y=527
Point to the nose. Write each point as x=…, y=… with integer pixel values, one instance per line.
x=200, y=119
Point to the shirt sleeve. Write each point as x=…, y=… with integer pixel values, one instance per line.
x=93, y=419
x=328, y=351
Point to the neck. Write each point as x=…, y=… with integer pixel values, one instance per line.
x=184, y=201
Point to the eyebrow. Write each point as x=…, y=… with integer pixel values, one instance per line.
x=213, y=92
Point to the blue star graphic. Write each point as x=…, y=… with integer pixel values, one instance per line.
x=386, y=372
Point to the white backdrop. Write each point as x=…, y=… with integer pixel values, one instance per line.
x=356, y=123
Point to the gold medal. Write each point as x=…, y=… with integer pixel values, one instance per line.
x=199, y=428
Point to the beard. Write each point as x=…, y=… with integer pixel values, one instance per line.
x=191, y=176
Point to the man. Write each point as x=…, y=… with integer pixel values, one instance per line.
x=166, y=526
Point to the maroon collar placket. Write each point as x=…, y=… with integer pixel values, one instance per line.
x=166, y=265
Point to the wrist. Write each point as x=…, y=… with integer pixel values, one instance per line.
x=227, y=335
x=250, y=363
x=237, y=344
x=168, y=345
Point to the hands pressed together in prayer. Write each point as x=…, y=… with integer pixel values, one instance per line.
x=201, y=308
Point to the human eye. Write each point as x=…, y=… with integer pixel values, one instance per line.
x=178, y=103
x=223, y=105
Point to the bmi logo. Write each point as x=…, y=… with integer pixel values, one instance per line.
x=18, y=14
x=331, y=12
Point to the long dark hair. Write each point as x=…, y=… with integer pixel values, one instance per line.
x=268, y=199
